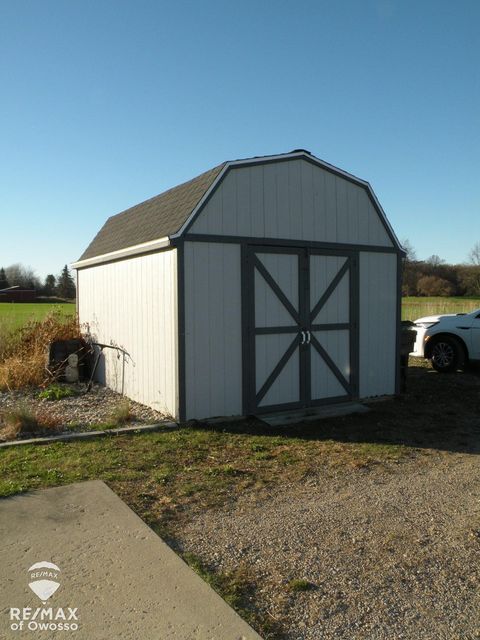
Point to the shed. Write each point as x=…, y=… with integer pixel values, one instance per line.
x=263, y=284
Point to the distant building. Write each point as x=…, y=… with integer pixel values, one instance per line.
x=15, y=294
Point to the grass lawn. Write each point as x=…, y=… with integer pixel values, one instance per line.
x=14, y=315
x=417, y=307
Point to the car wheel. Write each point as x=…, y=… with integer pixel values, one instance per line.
x=446, y=355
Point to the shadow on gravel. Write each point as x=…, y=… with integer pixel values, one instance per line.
x=438, y=411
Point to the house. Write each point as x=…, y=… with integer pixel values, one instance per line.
x=16, y=294
x=263, y=284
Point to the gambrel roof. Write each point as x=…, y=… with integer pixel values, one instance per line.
x=157, y=217
x=152, y=223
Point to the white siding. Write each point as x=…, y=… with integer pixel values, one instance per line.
x=293, y=200
x=133, y=304
x=378, y=322
x=213, y=337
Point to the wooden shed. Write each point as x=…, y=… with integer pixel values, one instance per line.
x=263, y=284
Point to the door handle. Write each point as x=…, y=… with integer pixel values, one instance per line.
x=304, y=337
x=309, y=336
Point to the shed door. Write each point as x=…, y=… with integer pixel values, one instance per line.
x=298, y=328
x=331, y=328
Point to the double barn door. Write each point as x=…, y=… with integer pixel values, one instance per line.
x=301, y=328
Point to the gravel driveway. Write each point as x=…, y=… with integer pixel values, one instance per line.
x=392, y=552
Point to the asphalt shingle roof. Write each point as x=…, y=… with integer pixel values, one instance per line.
x=155, y=218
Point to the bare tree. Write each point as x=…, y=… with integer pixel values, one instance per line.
x=22, y=276
x=410, y=251
x=474, y=255
x=435, y=260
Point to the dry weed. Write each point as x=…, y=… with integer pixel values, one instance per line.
x=23, y=420
x=24, y=356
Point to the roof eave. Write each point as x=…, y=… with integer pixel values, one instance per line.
x=128, y=252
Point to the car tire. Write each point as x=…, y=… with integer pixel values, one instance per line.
x=446, y=354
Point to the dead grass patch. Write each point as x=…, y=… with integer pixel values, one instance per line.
x=122, y=414
x=23, y=420
x=24, y=353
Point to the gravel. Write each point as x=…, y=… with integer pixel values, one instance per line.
x=393, y=552
x=79, y=412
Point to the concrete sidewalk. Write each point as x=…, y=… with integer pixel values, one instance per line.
x=124, y=581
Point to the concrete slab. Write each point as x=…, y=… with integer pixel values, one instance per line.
x=284, y=418
x=121, y=578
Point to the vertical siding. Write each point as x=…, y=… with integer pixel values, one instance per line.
x=133, y=304
x=294, y=200
x=378, y=323
x=213, y=337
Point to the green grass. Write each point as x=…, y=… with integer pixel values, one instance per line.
x=14, y=315
x=204, y=465
x=417, y=307
x=238, y=589
x=56, y=392
x=298, y=585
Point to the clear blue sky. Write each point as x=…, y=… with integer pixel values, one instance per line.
x=105, y=103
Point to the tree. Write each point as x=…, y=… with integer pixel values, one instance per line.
x=434, y=286
x=409, y=276
x=435, y=260
x=21, y=276
x=3, y=279
x=65, y=284
x=474, y=255
x=50, y=284
x=409, y=250
x=469, y=277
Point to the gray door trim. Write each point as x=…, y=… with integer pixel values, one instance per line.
x=332, y=366
x=330, y=289
x=277, y=370
x=351, y=265
x=250, y=262
x=276, y=289
x=333, y=247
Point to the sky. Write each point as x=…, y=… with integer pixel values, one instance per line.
x=106, y=103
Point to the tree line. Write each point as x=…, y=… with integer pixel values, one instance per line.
x=18, y=275
x=434, y=277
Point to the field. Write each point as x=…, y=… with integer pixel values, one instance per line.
x=14, y=315
x=413, y=307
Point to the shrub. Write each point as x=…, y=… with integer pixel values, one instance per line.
x=22, y=420
x=122, y=413
x=56, y=392
x=434, y=286
x=297, y=585
x=24, y=357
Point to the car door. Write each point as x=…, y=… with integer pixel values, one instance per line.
x=475, y=338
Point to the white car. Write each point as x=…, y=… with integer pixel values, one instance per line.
x=449, y=341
